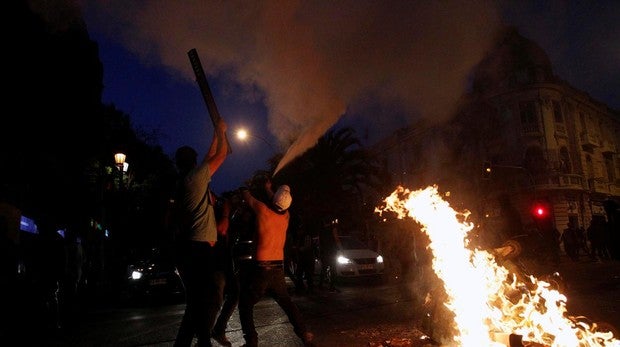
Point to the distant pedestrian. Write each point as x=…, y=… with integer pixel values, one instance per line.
x=305, y=260
x=73, y=275
x=328, y=250
x=272, y=220
x=582, y=240
x=50, y=273
x=196, y=239
x=597, y=234
x=570, y=239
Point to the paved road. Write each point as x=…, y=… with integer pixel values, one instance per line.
x=362, y=314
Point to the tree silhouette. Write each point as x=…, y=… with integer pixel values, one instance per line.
x=331, y=179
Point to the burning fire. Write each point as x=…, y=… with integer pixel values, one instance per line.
x=486, y=299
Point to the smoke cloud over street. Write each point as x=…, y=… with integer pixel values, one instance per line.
x=310, y=62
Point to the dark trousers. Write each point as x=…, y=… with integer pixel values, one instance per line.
x=204, y=280
x=231, y=300
x=305, y=271
x=267, y=280
x=328, y=270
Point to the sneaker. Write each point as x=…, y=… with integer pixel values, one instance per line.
x=222, y=340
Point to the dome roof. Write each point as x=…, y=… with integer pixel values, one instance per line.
x=514, y=59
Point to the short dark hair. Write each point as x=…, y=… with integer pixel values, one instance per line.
x=185, y=158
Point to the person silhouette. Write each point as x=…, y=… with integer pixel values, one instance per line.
x=196, y=238
x=272, y=220
x=224, y=244
x=328, y=249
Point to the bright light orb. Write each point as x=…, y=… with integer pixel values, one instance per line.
x=242, y=134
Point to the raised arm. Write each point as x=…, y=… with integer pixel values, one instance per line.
x=219, y=147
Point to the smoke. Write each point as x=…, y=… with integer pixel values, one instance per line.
x=314, y=61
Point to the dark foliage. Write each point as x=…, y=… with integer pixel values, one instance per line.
x=332, y=179
x=58, y=139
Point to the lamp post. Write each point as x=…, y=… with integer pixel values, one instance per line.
x=242, y=134
x=122, y=166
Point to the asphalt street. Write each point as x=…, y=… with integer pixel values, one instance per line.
x=363, y=313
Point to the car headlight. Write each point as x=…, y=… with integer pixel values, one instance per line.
x=343, y=260
x=136, y=275
x=379, y=259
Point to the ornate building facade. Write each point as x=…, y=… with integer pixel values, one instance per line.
x=545, y=142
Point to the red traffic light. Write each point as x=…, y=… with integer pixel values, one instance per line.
x=540, y=211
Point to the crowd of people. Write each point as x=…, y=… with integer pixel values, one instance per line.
x=595, y=242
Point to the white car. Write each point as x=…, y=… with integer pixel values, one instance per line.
x=355, y=259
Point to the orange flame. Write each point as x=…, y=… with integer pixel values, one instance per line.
x=486, y=299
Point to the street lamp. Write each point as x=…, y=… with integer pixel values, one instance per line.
x=242, y=134
x=119, y=159
x=122, y=166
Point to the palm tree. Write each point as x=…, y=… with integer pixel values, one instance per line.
x=330, y=179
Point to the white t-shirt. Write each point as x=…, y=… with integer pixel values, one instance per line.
x=197, y=211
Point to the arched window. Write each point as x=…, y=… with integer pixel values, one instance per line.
x=565, y=163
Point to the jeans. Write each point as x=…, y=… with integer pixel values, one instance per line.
x=267, y=280
x=231, y=300
x=204, y=281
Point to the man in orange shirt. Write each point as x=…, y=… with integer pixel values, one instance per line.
x=272, y=220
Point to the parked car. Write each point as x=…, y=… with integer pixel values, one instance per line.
x=355, y=259
x=153, y=275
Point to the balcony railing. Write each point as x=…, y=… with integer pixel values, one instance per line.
x=560, y=181
x=589, y=139
x=608, y=147
x=530, y=128
x=600, y=185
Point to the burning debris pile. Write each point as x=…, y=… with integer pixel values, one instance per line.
x=489, y=305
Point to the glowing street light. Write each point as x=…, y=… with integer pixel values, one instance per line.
x=119, y=159
x=242, y=134
x=122, y=166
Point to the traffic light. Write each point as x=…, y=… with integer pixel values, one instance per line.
x=540, y=211
x=486, y=170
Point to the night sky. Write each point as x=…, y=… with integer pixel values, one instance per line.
x=291, y=70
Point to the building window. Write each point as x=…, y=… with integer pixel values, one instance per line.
x=610, y=167
x=534, y=161
x=565, y=163
x=557, y=112
x=582, y=121
x=527, y=111
x=589, y=167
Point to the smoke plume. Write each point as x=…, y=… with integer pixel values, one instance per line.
x=315, y=60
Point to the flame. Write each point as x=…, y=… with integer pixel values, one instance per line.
x=486, y=299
